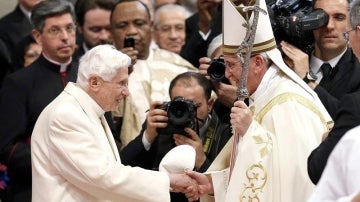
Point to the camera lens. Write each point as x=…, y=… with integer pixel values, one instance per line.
x=178, y=113
x=216, y=70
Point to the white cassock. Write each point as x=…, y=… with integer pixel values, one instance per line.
x=74, y=157
x=271, y=163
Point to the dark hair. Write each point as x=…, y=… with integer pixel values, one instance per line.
x=186, y=78
x=50, y=8
x=314, y=2
x=123, y=1
x=83, y=6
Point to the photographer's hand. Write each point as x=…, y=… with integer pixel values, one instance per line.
x=193, y=140
x=204, y=65
x=296, y=59
x=132, y=53
x=155, y=118
x=226, y=93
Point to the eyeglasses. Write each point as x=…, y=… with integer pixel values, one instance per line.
x=346, y=34
x=231, y=65
x=55, y=31
x=122, y=85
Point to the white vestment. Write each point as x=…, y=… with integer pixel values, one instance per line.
x=271, y=163
x=74, y=157
x=148, y=82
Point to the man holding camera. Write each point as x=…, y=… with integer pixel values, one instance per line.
x=153, y=68
x=342, y=79
x=333, y=70
x=164, y=130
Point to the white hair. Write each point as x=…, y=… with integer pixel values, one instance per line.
x=214, y=44
x=169, y=8
x=103, y=61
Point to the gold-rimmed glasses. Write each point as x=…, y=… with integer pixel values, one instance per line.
x=55, y=31
x=122, y=84
x=231, y=65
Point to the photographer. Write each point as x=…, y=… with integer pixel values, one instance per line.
x=333, y=70
x=213, y=67
x=208, y=135
x=342, y=79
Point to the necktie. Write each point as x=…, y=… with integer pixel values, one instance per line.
x=326, y=69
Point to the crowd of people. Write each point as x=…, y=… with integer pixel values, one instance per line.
x=118, y=100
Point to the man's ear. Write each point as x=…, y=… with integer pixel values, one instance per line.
x=260, y=64
x=210, y=103
x=37, y=36
x=94, y=83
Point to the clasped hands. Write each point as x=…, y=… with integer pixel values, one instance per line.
x=192, y=184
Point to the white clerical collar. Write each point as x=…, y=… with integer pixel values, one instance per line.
x=26, y=12
x=63, y=66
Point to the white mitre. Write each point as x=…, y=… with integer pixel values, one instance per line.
x=234, y=33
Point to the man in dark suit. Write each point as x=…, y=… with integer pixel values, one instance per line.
x=338, y=89
x=343, y=69
x=26, y=92
x=201, y=28
x=207, y=136
x=13, y=28
x=348, y=117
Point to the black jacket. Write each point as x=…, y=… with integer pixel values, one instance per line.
x=195, y=46
x=344, y=79
x=23, y=96
x=134, y=153
x=347, y=118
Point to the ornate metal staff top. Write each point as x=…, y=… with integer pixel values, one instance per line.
x=247, y=45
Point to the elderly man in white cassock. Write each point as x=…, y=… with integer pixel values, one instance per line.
x=273, y=136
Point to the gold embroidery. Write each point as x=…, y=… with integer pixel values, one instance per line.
x=285, y=97
x=257, y=177
x=267, y=144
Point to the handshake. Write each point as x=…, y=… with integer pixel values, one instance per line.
x=191, y=183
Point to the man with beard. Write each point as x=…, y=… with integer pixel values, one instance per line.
x=93, y=23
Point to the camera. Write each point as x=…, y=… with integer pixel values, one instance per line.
x=129, y=42
x=181, y=114
x=216, y=70
x=294, y=20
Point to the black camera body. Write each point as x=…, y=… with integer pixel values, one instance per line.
x=294, y=20
x=181, y=114
x=216, y=70
x=129, y=42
